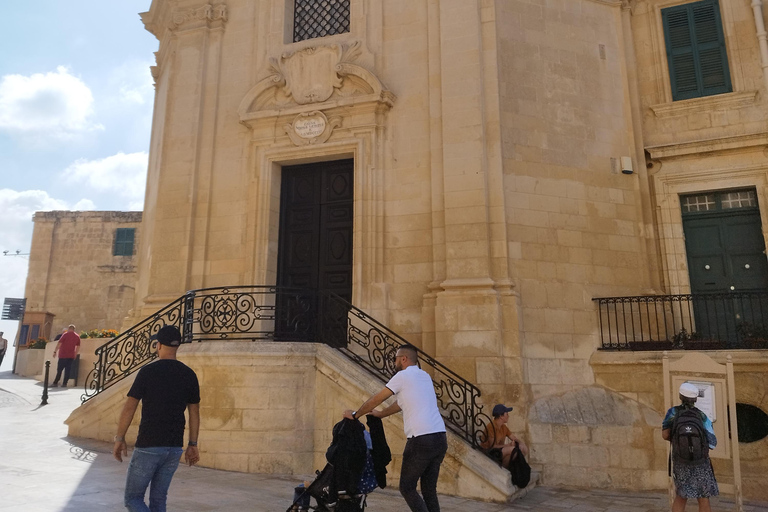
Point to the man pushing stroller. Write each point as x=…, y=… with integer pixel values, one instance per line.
x=424, y=427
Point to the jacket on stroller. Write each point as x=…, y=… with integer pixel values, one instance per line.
x=352, y=470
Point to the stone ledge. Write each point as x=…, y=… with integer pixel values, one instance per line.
x=705, y=104
x=739, y=357
x=707, y=145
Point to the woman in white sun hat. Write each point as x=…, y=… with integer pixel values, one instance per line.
x=691, y=434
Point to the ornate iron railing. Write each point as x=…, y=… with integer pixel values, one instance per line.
x=373, y=346
x=239, y=313
x=130, y=350
x=691, y=321
x=251, y=313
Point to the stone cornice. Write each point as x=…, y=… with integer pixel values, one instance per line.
x=707, y=103
x=707, y=145
x=160, y=18
x=612, y=3
x=207, y=15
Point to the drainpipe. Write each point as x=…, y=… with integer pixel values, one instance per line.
x=757, y=7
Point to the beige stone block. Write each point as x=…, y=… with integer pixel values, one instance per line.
x=560, y=434
x=490, y=371
x=271, y=463
x=544, y=371
x=540, y=433
x=589, y=456
x=554, y=454
x=635, y=458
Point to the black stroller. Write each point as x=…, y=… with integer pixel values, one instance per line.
x=356, y=465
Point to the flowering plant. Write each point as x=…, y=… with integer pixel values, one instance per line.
x=38, y=343
x=99, y=333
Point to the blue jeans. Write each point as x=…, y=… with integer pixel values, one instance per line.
x=154, y=465
x=421, y=461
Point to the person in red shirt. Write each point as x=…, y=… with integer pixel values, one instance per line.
x=66, y=348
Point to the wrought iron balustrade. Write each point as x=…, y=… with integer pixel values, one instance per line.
x=238, y=313
x=736, y=320
x=130, y=350
x=252, y=313
x=373, y=346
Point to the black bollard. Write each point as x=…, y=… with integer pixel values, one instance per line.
x=45, y=383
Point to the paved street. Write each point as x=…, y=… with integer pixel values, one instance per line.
x=42, y=470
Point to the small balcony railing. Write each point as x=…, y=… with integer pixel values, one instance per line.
x=737, y=320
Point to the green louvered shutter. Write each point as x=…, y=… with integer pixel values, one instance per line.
x=698, y=63
x=123, y=242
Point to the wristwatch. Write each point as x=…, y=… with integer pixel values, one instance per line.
x=192, y=443
x=354, y=415
x=119, y=439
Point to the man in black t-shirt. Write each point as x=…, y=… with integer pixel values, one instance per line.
x=166, y=388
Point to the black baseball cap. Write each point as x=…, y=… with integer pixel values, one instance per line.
x=168, y=335
x=500, y=409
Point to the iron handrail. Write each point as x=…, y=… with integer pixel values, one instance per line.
x=734, y=320
x=373, y=346
x=128, y=351
x=252, y=313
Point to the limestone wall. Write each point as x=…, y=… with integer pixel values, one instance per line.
x=73, y=274
x=713, y=117
x=638, y=377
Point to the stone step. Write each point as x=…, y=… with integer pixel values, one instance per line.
x=519, y=493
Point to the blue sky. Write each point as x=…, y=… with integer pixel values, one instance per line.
x=76, y=100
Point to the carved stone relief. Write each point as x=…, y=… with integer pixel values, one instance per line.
x=207, y=14
x=311, y=128
x=312, y=76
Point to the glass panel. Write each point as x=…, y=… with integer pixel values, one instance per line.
x=740, y=199
x=701, y=203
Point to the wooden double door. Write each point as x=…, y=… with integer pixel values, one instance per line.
x=727, y=263
x=315, y=242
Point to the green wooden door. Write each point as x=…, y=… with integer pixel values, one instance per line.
x=726, y=261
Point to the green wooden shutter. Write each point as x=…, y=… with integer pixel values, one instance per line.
x=123, y=242
x=698, y=62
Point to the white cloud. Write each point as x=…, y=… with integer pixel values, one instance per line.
x=134, y=82
x=122, y=174
x=55, y=104
x=16, y=209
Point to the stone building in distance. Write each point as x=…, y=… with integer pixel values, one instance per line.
x=474, y=174
x=82, y=271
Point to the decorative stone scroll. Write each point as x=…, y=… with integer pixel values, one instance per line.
x=322, y=75
x=207, y=13
x=311, y=128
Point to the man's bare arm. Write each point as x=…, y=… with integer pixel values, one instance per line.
x=192, y=455
x=370, y=404
x=126, y=416
x=389, y=411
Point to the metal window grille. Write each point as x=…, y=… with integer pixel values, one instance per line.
x=319, y=18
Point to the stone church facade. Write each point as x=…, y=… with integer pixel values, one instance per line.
x=504, y=163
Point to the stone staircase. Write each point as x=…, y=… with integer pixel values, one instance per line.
x=252, y=393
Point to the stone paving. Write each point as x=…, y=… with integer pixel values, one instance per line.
x=42, y=470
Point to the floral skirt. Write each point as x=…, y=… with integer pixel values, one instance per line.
x=695, y=481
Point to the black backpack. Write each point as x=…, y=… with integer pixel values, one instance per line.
x=689, y=437
x=519, y=468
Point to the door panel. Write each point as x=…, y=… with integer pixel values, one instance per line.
x=315, y=246
x=726, y=256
